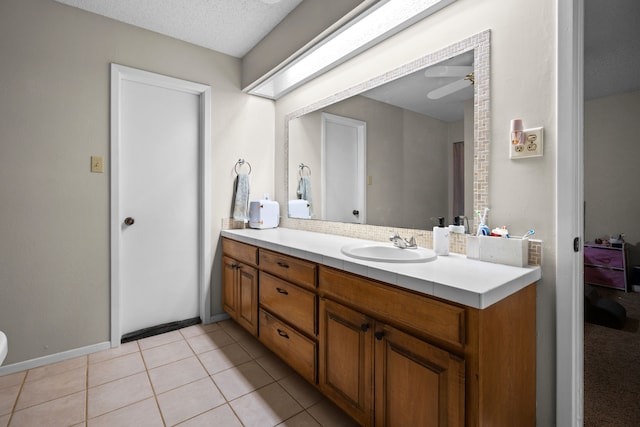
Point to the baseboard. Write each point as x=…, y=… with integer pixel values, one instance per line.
x=53, y=358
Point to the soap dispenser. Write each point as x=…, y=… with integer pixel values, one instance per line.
x=441, y=238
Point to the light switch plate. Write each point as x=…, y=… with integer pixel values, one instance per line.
x=97, y=164
x=532, y=147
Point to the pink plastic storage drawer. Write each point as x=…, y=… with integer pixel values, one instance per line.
x=604, y=277
x=603, y=256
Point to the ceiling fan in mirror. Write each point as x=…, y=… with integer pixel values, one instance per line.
x=462, y=73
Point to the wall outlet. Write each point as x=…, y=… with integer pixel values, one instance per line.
x=532, y=146
x=97, y=164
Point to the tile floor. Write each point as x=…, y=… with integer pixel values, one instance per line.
x=203, y=375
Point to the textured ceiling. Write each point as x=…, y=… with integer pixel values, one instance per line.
x=228, y=26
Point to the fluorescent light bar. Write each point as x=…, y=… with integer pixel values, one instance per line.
x=379, y=22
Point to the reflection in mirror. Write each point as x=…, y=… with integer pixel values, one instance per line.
x=398, y=150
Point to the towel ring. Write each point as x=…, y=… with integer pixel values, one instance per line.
x=302, y=166
x=241, y=162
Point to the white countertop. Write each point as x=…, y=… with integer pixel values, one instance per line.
x=455, y=278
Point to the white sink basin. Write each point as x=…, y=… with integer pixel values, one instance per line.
x=3, y=347
x=387, y=253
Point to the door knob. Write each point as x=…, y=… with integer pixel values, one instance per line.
x=129, y=221
x=356, y=212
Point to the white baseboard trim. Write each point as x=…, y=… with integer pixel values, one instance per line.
x=53, y=358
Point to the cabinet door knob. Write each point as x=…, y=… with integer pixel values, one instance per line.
x=364, y=327
x=283, y=334
x=129, y=221
x=282, y=291
x=379, y=335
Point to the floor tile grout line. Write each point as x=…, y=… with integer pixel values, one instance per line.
x=86, y=395
x=153, y=389
x=15, y=403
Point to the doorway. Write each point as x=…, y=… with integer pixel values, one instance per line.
x=160, y=260
x=344, y=171
x=611, y=103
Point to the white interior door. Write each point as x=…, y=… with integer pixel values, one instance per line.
x=344, y=174
x=156, y=225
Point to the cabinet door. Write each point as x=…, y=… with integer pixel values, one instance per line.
x=229, y=304
x=247, y=297
x=416, y=383
x=346, y=359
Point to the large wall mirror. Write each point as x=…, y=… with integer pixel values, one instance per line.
x=398, y=150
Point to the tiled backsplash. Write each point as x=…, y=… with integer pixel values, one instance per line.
x=424, y=238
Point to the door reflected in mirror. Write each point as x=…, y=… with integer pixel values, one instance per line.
x=398, y=154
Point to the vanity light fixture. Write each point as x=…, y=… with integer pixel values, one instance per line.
x=379, y=22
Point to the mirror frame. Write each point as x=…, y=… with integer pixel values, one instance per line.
x=481, y=45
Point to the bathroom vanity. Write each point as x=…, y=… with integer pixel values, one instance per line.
x=449, y=342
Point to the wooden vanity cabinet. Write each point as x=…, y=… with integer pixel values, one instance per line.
x=386, y=355
x=393, y=357
x=385, y=377
x=240, y=283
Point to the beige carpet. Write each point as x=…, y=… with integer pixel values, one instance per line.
x=612, y=367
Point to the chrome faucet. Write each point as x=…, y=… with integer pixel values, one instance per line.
x=401, y=243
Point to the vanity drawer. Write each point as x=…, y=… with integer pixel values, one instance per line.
x=292, y=269
x=289, y=302
x=294, y=348
x=240, y=251
x=421, y=315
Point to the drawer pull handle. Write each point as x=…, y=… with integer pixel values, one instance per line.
x=364, y=327
x=235, y=266
x=282, y=264
x=379, y=335
x=282, y=291
x=283, y=334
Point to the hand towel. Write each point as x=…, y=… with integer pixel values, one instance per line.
x=304, y=192
x=241, y=198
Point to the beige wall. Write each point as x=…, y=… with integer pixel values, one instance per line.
x=612, y=169
x=54, y=114
x=522, y=193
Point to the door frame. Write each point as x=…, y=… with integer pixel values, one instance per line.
x=569, y=287
x=361, y=131
x=120, y=73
